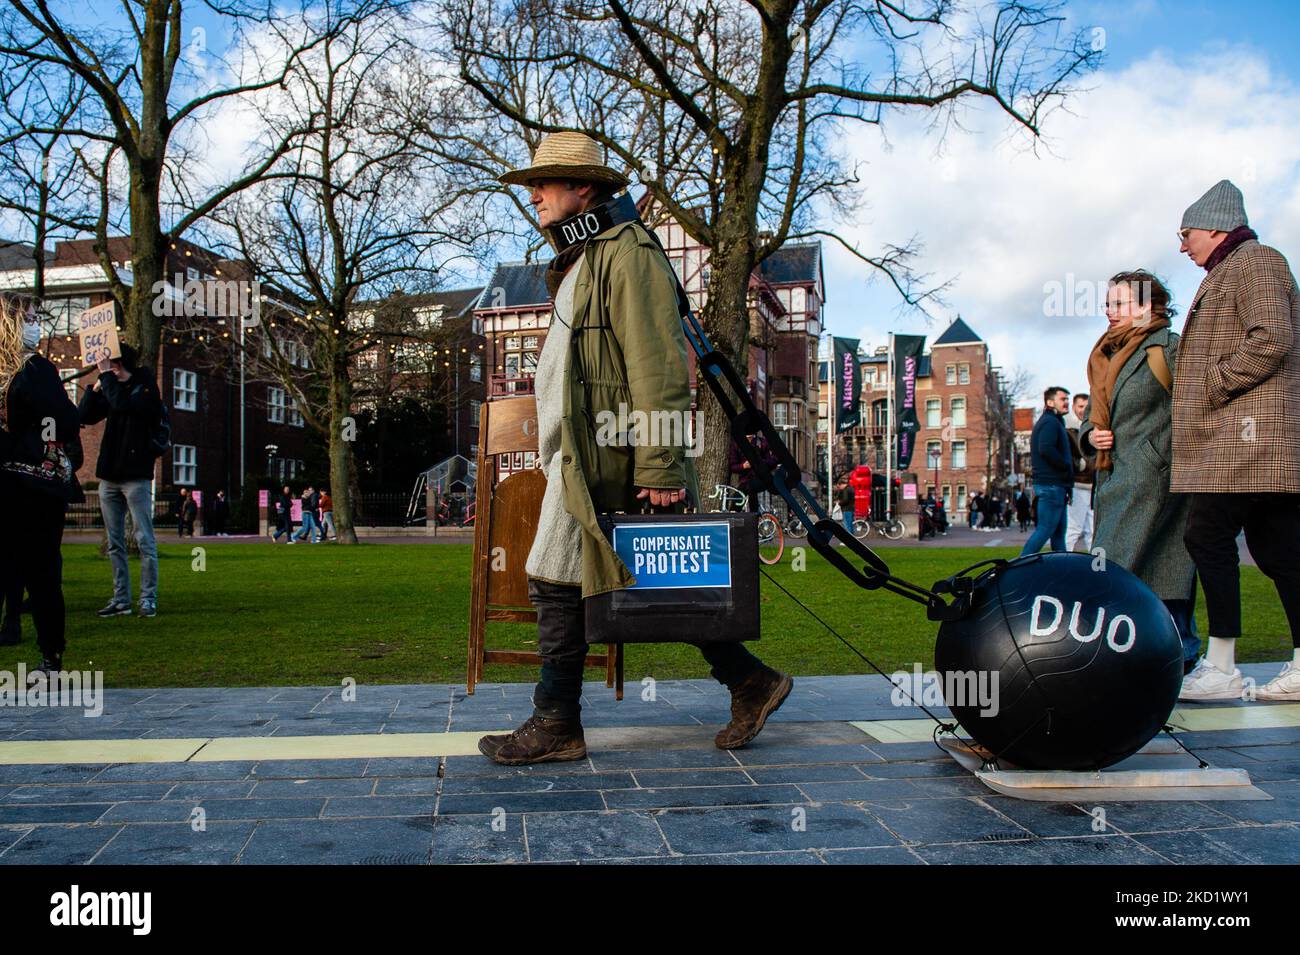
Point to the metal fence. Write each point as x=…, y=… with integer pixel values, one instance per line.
x=375, y=509
x=87, y=515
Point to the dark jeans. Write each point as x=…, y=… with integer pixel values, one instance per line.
x=1272, y=526
x=561, y=640
x=32, y=556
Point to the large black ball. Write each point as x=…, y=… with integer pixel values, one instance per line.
x=1083, y=657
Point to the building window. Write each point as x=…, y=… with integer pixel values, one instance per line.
x=951, y=377
x=933, y=409
x=958, y=455
x=275, y=405
x=959, y=412
x=428, y=317
x=475, y=367
x=947, y=498
x=779, y=411
x=475, y=408
x=65, y=314
x=185, y=390
x=476, y=325
x=933, y=450
x=963, y=374
x=185, y=467
x=191, y=273
x=291, y=406
x=70, y=387
x=961, y=497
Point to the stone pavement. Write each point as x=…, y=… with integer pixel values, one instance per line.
x=812, y=789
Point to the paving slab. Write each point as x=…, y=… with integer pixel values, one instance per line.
x=285, y=775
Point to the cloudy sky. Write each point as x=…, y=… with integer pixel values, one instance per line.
x=1191, y=93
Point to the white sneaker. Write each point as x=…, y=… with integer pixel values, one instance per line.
x=1208, y=682
x=1284, y=686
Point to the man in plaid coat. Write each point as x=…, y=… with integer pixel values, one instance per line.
x=1236, y=446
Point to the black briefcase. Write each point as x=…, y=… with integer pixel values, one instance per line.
x=697, y=580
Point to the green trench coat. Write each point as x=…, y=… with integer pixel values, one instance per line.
x=1139, y=523
x=627, y=356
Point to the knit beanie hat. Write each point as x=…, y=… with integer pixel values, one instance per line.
x=1222, y=209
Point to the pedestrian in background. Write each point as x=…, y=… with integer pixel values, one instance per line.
x=186, y=512
x=1079, y=516
x=283, y=515
x=220, y=515
x=1053, y=472
x=310, y=526
x=327, y=516
x=1022, y=508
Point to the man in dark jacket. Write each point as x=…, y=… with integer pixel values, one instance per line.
x=283, y=503
x=220, y=515
x=126, y=397
x=1053, y=472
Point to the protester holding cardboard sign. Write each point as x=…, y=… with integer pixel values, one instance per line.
x=127, y=397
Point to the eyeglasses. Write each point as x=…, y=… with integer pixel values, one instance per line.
x=1182, y=235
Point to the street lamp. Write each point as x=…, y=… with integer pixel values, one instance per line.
x=270, y=456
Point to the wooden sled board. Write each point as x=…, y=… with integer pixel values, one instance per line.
x=1159, y=772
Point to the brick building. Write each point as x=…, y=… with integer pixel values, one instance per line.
x=965, y=443
x=209, y=452
x=429, y=345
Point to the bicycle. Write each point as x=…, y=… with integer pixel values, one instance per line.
x=891, y=529
x=771, y=534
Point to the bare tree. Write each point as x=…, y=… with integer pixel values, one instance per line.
x=150, y=76
x=357, y=209
x=728, y=111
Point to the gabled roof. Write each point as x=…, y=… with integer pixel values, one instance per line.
x=515, y=285
x=17, y=255
x=794, y=262
x=958, y=333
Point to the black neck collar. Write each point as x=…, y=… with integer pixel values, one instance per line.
x=576, y=230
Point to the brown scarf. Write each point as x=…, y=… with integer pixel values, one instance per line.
x=560, y=265
x=1109, y=355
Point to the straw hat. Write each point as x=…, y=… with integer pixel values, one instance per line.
x=566, y=156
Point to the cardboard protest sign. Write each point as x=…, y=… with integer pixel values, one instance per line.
x=97, y=328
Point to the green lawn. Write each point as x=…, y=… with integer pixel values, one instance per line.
x=261, y=615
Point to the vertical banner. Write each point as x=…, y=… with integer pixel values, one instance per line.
x=907, y=363
x=847, y=384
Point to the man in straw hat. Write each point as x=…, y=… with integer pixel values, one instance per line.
x=1236, y=447
x=615, y=339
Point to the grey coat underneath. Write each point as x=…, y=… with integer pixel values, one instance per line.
x=1138, y=522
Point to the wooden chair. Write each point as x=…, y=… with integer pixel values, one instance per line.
x=505, y=523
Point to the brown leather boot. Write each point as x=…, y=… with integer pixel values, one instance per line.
x=752, y=702
x=538, y=740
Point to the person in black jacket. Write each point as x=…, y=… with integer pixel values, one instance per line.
x=1053, y=472
x=40, y=451
x=220, y=515
x=127, y=397
x=186, y=512
x=283, y=515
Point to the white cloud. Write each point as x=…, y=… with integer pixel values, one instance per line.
x=1142, y=144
